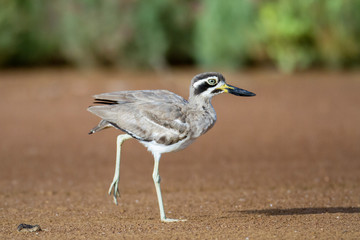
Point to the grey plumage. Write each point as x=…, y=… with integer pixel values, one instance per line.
x=146, y=115
x=154, y=115
x=161, y=120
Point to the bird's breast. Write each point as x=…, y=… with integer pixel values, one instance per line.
x=201, y=121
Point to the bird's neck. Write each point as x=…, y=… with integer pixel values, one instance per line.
x=202, y=115
x=200, y=101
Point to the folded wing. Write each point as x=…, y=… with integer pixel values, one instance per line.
x=156, y=115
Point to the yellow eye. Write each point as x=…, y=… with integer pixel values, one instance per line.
x=212, y=81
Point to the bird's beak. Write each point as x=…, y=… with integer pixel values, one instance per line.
x=236, y=91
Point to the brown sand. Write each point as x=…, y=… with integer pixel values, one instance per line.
x=282, y=165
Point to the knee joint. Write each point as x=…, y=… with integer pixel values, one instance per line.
x=157, y=178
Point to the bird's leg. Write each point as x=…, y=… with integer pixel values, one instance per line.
x=115, y=183
x=157, y=180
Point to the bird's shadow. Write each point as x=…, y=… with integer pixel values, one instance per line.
x=300, y=211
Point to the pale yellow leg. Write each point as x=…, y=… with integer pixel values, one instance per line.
x=114, y=187
x=157, y=180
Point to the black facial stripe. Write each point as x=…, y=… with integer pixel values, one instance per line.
x=209, y=74
x=201, y=88
x=216, y=90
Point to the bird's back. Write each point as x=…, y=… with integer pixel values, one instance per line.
x=159, y=96
x=147, y=115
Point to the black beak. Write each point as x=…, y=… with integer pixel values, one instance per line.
x=238, y=91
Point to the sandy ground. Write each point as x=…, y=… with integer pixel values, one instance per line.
x=282, y=165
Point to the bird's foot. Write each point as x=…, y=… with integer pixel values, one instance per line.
x=173, y=220
x=114, y=190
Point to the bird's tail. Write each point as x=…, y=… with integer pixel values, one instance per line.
x=102, y=125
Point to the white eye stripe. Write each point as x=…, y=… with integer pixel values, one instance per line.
x=196, y=84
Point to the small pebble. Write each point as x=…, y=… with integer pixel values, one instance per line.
x=28, y=228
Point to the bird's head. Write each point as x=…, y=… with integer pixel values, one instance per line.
x=209, y=84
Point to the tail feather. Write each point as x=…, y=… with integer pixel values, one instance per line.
x=105, y=101
x=102, y=125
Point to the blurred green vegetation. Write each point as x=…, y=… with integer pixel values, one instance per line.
x=291, y=35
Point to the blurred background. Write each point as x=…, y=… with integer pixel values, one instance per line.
x=289, y=35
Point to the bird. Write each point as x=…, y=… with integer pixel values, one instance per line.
x=160, y=120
